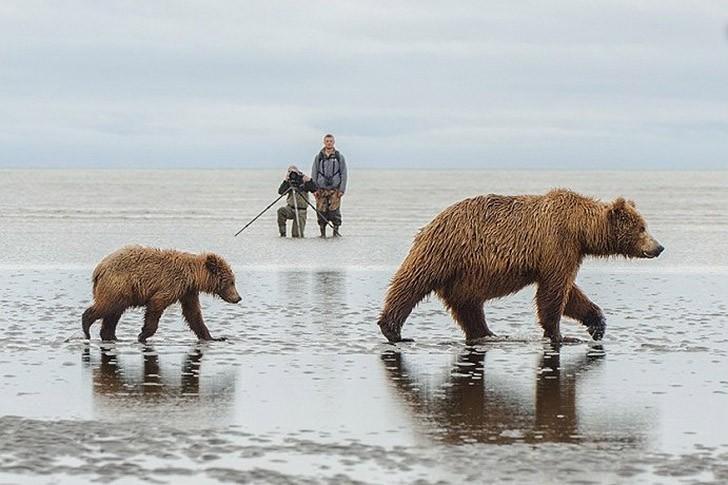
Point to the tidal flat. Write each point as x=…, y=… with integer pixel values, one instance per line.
x=297, y=395
x=306, y=390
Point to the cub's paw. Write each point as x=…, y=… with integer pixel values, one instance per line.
x=571, y=340
x=108, y=337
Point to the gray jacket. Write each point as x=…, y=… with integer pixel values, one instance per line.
x=329, y=172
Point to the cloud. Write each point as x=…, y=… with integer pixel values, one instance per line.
x=494, y=84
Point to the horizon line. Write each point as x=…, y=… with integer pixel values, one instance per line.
x=369, y=167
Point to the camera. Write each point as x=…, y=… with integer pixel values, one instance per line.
x=295, y=178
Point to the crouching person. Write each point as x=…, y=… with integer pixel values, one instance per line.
x=296, y=202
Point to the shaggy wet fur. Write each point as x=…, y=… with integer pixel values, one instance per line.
x=138, y=276
x=491, y=246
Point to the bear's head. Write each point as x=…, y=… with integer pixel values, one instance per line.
x=628, y=231
x=222, y=278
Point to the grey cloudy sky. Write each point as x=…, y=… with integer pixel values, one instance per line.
x=460, y=84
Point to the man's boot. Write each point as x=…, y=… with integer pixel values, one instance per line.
x=282, y=231
x=336, y=231
x=323, y=230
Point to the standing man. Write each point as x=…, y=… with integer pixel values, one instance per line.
x=329, y=174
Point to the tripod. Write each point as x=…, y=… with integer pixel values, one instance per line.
x=295, y=205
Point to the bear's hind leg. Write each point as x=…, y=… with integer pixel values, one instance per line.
x=155, y=308
x=471, y=318
x=108, y=326
x=89, y=317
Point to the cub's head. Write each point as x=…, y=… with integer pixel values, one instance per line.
x=628, y=231
x=222, y=278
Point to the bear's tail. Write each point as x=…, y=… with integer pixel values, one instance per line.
x=411, y=283
x=97, y=275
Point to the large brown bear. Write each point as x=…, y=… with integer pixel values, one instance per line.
x=490, y=246
x=139, y=276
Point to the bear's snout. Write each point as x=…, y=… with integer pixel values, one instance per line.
x=653, y=250
x=231, y=296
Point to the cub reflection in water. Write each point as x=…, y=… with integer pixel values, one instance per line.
x=475, y=405
x=155, y=383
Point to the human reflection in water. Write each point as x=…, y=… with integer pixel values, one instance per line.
x=475, y=406
x=125, y=388
x=295, y=285
x=330, y=295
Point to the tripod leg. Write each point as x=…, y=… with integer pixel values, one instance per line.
x=262, y=212
x=297, y=228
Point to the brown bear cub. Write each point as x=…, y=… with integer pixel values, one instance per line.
x=491, y=246
x=139, y=276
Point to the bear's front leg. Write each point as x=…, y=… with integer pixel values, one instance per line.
x=550, y=301
x=581, y=308
x=193, y=314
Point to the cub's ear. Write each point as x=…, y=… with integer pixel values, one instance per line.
x=618, y=203
x=213, y=264
x=621, y=203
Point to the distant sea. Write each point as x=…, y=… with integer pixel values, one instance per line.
x=74, y=217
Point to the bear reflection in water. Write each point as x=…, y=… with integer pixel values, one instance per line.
x=473, y=405
x=166, y=386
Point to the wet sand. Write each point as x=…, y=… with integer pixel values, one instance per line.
x=306, y=390
x=298, y=395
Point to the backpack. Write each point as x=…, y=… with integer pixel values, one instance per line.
x=335, y=156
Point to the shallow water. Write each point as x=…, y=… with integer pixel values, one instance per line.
x=71, y=217
x=305, y=390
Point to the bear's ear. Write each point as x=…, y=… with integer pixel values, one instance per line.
x=621, y=203
x=618, y=210
x=618, y=203
x=213, y=264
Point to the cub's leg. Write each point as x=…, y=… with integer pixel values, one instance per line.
x=193, y=315
x=155, y=307
x=108, y=325
x=89, y=317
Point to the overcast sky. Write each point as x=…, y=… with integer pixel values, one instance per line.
x=459, y=84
